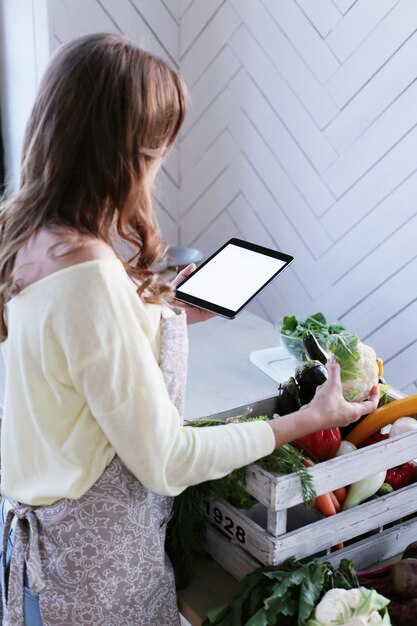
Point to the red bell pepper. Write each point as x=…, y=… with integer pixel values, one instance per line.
x=376, y=438
x=399, y=476
x=323, y=444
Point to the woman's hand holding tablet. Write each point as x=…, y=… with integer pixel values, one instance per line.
x=229, y=279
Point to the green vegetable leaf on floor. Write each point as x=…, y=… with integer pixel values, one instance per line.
x=286, y=594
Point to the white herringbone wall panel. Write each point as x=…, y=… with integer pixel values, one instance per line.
x=154, y=24
x=302, y=135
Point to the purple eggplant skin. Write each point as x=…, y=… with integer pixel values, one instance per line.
x=309, y=376
x=411, y=551
x=404, y=577
x=288, y=397
x=314, y=349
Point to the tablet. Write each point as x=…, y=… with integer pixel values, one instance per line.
x=232, y=277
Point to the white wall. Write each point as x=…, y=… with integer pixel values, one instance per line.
x=303, y=136
x=24, y=52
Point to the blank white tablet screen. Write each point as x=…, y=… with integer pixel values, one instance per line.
x=232, y=277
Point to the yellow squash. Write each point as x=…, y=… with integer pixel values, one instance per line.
x=383, y=416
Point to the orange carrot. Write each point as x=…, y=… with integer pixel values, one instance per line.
x=308, y=462
x=340, y=494
x=327, y=504
x=324, y=504
x=335, y=501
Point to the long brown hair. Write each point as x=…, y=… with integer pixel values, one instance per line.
x=105, y=111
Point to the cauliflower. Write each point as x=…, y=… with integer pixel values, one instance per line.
x=332, y=608
x=359, y=389
x=358, y=365
x=351, y=607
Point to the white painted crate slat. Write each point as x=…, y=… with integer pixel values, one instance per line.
x=232, y=558
x=279, y=525
x=363, y=554
x=281, y=492
x=314, y=537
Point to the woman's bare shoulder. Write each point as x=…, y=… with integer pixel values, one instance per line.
x=50, y=250
x=89, y=250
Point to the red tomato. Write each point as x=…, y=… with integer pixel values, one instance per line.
x=322, y=445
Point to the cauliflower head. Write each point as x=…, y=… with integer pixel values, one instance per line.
x=351, y=607
x=358, y=389
x=358, y=365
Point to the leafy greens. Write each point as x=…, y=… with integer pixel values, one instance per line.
x=345, y=348
x=285, y=594
x=317, y=324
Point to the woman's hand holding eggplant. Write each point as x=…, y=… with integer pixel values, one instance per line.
x=327, y=409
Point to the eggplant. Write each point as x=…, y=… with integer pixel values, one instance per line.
x=309, y=376
x=411, y=551
x=313, y=348
x=288, y=397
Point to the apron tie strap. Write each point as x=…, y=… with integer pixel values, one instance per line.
x=25, y=551
x=33, y=558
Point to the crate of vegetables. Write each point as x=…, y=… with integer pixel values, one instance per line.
x=363, y=487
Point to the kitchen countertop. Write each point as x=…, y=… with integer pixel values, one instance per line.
x=220, y=375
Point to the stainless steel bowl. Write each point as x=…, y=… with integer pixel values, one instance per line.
x=178, y=258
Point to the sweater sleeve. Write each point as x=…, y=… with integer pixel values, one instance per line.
x=113, y=368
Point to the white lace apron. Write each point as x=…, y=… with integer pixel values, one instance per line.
x=100, y=560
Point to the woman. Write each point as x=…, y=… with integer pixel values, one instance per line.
x=92, y=443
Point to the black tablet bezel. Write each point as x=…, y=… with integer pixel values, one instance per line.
x=218, y=310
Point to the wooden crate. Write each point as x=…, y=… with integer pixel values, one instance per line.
x=279, y=525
